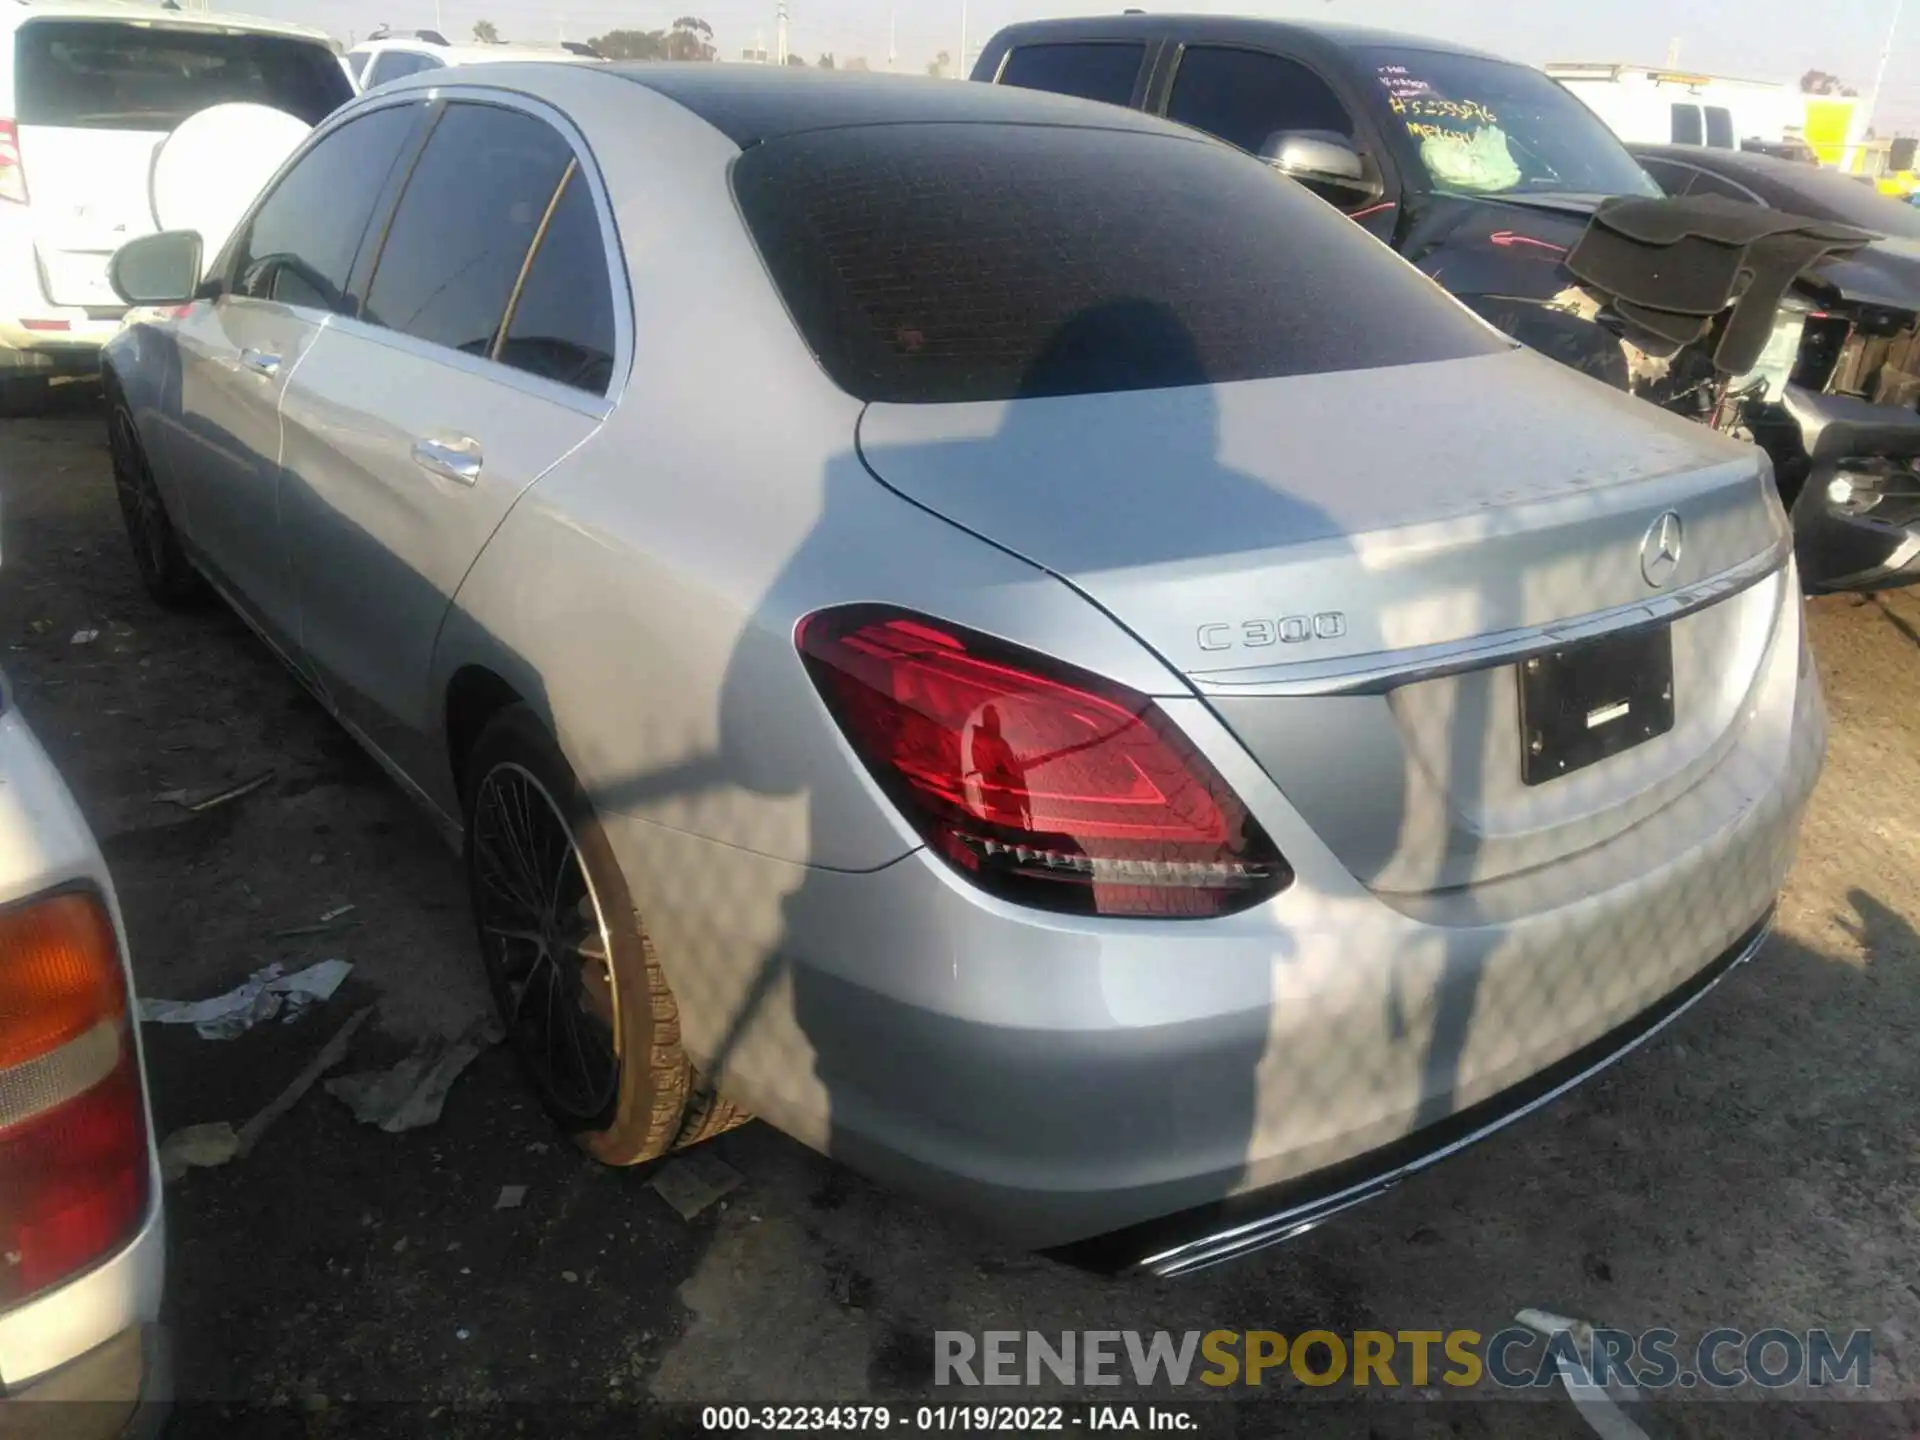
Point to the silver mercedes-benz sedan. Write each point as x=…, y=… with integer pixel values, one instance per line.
x=994, y=633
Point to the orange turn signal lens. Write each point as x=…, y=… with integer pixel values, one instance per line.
x=59, y=974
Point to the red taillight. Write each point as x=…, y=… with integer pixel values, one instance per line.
x=1038, y=781
x=13, y=172
x=73, y=1184
x=73, y=1126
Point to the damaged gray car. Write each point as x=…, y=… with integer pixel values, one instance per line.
x=1835, y=404
x=1501, y=185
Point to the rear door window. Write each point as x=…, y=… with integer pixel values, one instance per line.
x=1094, y=70
x=357, y=63
x=300, y=245
x=936, y=262
x=463, y=227
x=562, y=326
x=1719, y=127
x=1671, y=178
x=1246, y=97
x=1706, y=184
x=106, y=75
x=1687, y=129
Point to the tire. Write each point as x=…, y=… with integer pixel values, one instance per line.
x=164, y=568
x=579, y=960
x=708, y=1114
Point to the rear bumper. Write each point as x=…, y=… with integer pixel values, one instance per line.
x=1058, y=1078
x=1209, y=1235
x=122, y=1390
x=38, y=336
x=75, y=350
x=1836, y=550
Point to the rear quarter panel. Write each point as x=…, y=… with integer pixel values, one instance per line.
x=642, y=596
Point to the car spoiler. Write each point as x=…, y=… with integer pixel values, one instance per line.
x=1669, y=268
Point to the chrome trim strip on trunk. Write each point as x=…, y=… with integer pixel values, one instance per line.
x=1238, y=1240
x=1382, y=671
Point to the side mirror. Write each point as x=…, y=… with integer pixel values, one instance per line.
x=161, y=269
x=1323, y=161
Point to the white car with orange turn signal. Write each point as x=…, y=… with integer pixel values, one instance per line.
x=82, y=1235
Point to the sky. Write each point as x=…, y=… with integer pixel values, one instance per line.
x=1760, y=39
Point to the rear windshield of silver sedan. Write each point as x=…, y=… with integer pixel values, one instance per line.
x=954, y=262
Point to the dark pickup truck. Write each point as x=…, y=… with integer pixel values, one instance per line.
x=1501, y=185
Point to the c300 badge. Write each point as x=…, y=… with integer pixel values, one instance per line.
x=1285, y=630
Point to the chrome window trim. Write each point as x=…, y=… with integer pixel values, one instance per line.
x=599, y=406
x=1378, y=672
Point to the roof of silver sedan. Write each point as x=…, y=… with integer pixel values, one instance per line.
x=753, y=103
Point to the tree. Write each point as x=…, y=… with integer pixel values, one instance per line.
x=484, y=33
x=632, y=45
x=825, y=62
x=1820, y=82
x=937, y=67
x=796, y=59
x=690, y=39
x=859, y=63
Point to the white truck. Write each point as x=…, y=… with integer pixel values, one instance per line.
x=1651, y=105
x=387, y=55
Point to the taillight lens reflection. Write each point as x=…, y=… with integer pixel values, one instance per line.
x=1038, y=781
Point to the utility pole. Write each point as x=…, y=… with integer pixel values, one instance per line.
x=1673, y=53
x=780, y=36
x=1863, y=114
x=961, y=70
x=892, y=22
x=437, y=25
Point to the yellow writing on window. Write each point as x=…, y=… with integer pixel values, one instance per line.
x=1421, y=131
x=1420, y=107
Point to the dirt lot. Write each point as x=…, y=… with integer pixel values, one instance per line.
x=1756, y=1166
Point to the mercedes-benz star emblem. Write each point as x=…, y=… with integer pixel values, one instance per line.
x=1660, y=551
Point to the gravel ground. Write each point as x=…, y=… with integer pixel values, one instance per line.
x=1754, y=1167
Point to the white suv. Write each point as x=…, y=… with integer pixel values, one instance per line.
x=387, y=56
x=88, y=90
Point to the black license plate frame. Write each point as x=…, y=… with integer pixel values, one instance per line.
x=1593, y=700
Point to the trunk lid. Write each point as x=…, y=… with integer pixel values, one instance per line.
x=1885, y=274
x=1295, y=545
